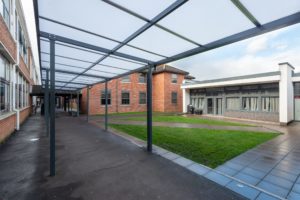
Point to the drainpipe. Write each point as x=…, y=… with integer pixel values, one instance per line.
x=14, y=78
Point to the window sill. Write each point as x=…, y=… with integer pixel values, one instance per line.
x=125, y=105
x=6, y=115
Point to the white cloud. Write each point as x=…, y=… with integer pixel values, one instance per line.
x=257, y=45
x=246, y=64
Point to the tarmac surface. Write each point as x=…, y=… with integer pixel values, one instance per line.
x=93, y=164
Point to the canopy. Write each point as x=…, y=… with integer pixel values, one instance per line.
x=96, y=41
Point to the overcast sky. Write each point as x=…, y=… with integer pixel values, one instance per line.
x=255, y=55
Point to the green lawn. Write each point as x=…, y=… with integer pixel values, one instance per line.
x=208, y=147
x=189, y=120
x=132, y=113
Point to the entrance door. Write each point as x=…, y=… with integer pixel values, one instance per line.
x=297, y=109
x=219, y=106
x=210, y=106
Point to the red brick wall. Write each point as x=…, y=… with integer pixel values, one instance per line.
x=172, y=87
x=24, y=114
x=162, y=88
x=158, y=92
x=7, y=126
x=7, y=39
x=116, y=87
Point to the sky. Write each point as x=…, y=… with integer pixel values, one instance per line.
x=254, y=55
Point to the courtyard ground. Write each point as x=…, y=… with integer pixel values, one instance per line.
x=93, y=164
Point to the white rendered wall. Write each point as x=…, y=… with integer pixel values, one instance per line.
x=186, y=99
x=286, y=94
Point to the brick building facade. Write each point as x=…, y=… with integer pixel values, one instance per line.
x=128, y=94
x=17, y=69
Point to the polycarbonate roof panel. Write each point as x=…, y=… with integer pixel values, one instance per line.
x=64, y=31
x=140, y=54
x=145, y=8
x=112, y=61
x=269, y=10
x=93, y=15
x=211, y=20
x=183, y=28
x=161, y=42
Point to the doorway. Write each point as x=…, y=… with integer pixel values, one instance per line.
x=210, y=106
x=219, y=106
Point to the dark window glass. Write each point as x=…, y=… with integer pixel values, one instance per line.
x=174, y=97
x=142, y=99
x=125, y=98
x=103, y=97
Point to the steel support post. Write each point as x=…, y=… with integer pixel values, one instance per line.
x=88, y=104
x=52, y=107
x=106, y=108
x=46, y=102
x=149, y=109
x=71, y=103
x=77, y=103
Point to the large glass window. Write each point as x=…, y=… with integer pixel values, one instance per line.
x=5, y=10
x=174, y=97
x=125, y=79
x=4, y=85
x=197, y=103
x=142, y=98
x=125, y=98
x=174, y=78
x=142, y=78
x=233, y=103
x=250, y=103
x=103, y=97
x=270, y=104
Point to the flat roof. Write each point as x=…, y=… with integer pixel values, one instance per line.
x=96, y=41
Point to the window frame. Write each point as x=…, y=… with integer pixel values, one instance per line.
x=172, y=97
x=249, y=110
x=102, y=98
x=234, y=97
x=174, y=78
x=144, y=77
x=269, y=110
x=6, y=12
x=145, y=98
x=125, y=99
x=124, y=79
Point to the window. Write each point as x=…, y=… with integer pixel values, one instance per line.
x=142, y=78
x=250, y=103
x=174, y=97
x=142, y=99
x=126, y=79
x=125, y=98
x=103, y=97
x=270, y=104
x=174, y=78
x=4, y=85
x=197, y=103
x=5, y=11
x=233, y=103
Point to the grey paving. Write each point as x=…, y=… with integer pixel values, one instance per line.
x=273, y=166
x=93, y=164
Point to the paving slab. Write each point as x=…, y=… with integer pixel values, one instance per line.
x=276, y=163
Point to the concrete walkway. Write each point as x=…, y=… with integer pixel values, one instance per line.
x=273, y=166
x=92, y=164
x=187, y=125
